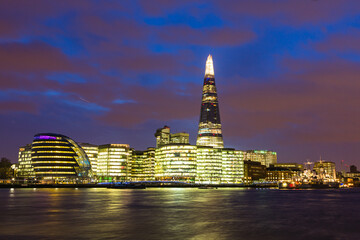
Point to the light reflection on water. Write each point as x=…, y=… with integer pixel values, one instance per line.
x=178, y=213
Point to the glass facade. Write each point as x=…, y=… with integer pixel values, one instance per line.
x=175, y=162
x=209, y=133
x=56, y=157
x=325, y=170
x=265, y=157
x=26, y=169
x=232, y=166
x=92, y=153
x=208, y=165
x=143, y=165
x=114, y=162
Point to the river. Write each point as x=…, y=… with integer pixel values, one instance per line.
x=179, y=213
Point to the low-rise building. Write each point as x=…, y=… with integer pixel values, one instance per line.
x=284, y=172
x=254, y=171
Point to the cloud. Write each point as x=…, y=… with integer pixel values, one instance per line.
x=341, y=42
x=314, y=102
x=297, y=12
x=215, y=37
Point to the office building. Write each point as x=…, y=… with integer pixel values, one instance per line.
x=162, y=136
x=175, y=162
x=208, y=165
x=91, y=151
x=325, y=170
x=25, y=170
x=209, y=133
x=181, y=137
x=263, y=156
x=280, y=172
x=114, y=163
x=58, y=158
x=232, y=166
x=143, y=165
x=254, y=171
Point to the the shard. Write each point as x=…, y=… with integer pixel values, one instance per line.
x=210, y=133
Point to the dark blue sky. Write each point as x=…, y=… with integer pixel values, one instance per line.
x=113, y=71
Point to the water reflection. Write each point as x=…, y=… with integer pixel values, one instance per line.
x=157, y=213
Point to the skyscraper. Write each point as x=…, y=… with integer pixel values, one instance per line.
x=209, y=133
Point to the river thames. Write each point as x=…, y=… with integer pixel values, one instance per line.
x=179, y=213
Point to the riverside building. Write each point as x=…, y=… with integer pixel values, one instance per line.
x=143, y=165
x=173, y=159
x=114, y=162
x=325, y=170
x=58, y=158
x=209, y=133
x=91, y=151
x=232, y=166
x=26, y=169
x=175, y=162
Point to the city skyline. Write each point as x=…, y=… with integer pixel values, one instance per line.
x=112, y=77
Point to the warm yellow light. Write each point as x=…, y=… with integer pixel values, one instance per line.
x=209, y=69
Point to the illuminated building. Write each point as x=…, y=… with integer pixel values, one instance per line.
x=325, y=170
x=143, y=165
x=162, y=136
x=254, y=171
x=179, y=138
x=114, y=162
x=208, y=165
x=175, y=162
x=91, y=151
x=26, y=169
x=284, y=172
x=232, y=166
x=209, y=133
x=57, y=157
x=263, y=156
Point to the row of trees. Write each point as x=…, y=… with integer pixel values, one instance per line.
x=5, y=169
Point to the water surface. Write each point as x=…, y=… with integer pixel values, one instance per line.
x=179, y=213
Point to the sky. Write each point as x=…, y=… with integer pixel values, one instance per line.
x=287, y=73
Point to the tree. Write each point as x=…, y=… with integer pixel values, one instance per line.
x=5, y=169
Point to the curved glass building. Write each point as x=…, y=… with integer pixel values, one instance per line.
x=58, y=157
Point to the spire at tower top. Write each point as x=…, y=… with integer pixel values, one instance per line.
x=209, y=68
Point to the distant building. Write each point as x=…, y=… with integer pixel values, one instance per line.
x=91, y=151
x=58, y=158
x=254, y=171
x=114, y=162
x=353, y=169
x=209, y=133
x=162, y=136
x=284, y=172
x=25, y=169
x=325, y=170
x=175, y=162
x=263, y=156
x=143, y=165
x=179, y=138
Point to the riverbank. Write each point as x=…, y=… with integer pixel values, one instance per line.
x=148, y=185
